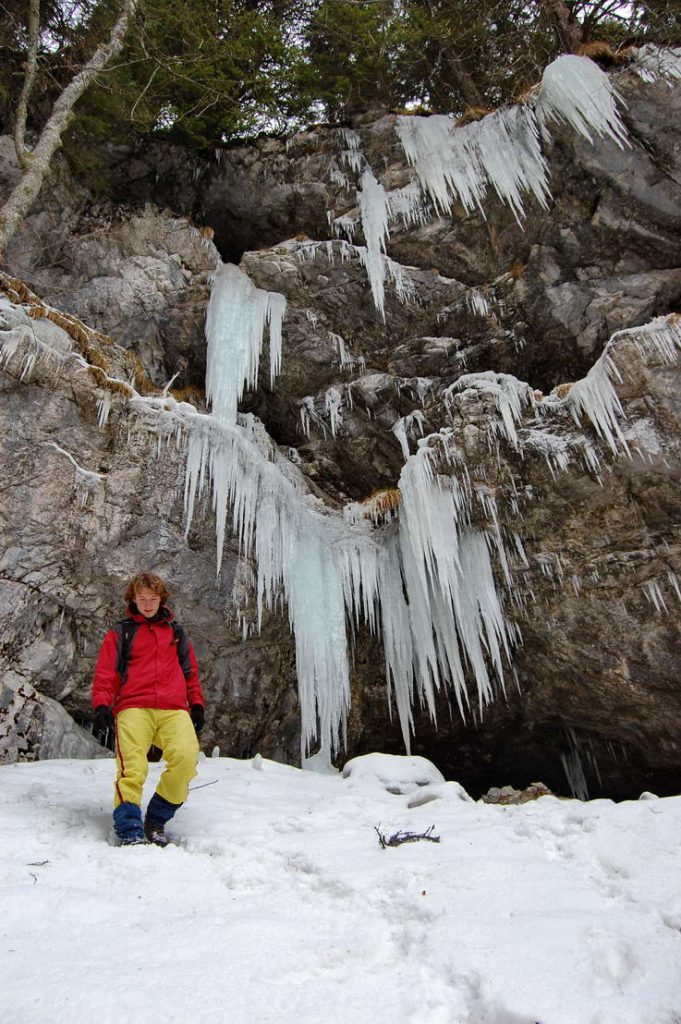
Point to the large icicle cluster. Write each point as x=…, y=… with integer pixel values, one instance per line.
x=237, y=315
x=426, y=585
x=373, y=205
x=458, y=164
x=503, y=151
x=653, y=62
x=575, y=90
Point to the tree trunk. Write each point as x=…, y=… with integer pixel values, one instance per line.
x=464, y=82
x=38, y=161
x=568, y=30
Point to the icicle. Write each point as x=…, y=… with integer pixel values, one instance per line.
x=317, y=614
x=661, y=339
x=654, y=594
x=235, y=323
x=405, y=426
x=104, y=408
x=353, y=158
x=332, y=403
x=338, y=177
x=674, y=582
x=486, y=498
x=457, y=164
x=576, y=91
x=20, y=339
x=374, y=212
x=477, y=302
x=353, y=155
x=449, y=569
x=407, y=204
x=84, y=480
x=308, y=414
x=344, y=225
x=346, y=360
x=399, y=430
x=653, y=62
x=510, y=397
x=595, y=397
x=10, y=342
x=404, y=286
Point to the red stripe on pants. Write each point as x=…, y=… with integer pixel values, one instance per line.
x=119, y=754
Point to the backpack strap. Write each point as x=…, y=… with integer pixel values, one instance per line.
x=125, y=630
x=182, y=648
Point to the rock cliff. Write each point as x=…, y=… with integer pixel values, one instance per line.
x=580, y=503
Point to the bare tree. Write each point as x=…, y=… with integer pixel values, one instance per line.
x=35, y=163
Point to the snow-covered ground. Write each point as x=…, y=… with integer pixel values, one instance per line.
x=277, y=903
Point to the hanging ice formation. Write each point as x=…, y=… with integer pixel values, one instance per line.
x=405, y=427
x=502, y=151
x=457, y=164
x=373, y=206
x=235, y=324
x=333, y=401
x=510, y=396
x=652, y=63
x=85, y=481
x=576, y=91
x=425, y=583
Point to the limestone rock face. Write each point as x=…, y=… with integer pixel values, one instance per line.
x=141, y=276
x=589, y=527
x=83, y=508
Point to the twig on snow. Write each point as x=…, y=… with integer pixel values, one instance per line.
x=204, y=784
x=405, y=837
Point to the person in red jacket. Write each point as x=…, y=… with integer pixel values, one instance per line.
x=146, y=689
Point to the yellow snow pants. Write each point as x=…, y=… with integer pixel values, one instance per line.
x=173, y=732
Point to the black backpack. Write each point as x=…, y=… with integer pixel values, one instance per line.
x=125, y=631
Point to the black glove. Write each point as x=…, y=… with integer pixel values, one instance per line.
x=198, y=716
x=103, y=723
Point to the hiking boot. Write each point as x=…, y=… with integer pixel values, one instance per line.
x=155, y=832
x=133, y=841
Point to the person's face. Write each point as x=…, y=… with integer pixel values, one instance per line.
x=147, y=602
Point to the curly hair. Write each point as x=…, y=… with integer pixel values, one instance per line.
x=146, y=581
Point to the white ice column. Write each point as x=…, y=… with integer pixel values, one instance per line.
x=235, y=325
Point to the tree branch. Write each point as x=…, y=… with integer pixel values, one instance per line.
x=27, y=87
x=405, y=837
x=23, y=195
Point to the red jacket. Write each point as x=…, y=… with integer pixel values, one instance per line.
x=154, y=678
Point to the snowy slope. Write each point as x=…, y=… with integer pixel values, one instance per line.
x=278, y=904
